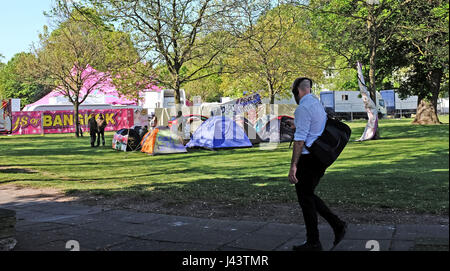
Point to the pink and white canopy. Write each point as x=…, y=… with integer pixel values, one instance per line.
x=104, y=92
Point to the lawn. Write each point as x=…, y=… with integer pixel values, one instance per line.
x=406, y=170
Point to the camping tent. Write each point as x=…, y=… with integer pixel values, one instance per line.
x=278, y=129
x=161, y=141
x=192, y=123
x=126, y=140
x=219, y=132
x=248, y=129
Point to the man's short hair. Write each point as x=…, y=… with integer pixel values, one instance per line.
x=297, y=83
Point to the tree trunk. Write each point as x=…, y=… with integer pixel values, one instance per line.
x=270, y=86
x=373, y=44
x=76, y=119
x=434, y=77
x=426, y=114
x=181, y=120
x=272, y=95
x=427, y=110
x=371, y=130
x=178, y=98
x=372, y=87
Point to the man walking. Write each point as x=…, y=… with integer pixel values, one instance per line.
x=93, y=129
x=101, y=125
x=306, y=170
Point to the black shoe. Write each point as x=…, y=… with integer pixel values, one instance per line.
x=308, y=247
x=340, y=233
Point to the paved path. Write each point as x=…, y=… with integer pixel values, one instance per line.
x=44, y=225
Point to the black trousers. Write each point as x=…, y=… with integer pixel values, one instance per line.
x=309, y=172
x=93, y=134
x=102, y=134
x=80, y=131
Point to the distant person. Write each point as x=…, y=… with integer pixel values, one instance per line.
x=306, y=170
x=101, y=125
x=93, y=130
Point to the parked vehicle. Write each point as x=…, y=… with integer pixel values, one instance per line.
x=442, y=106
x=398, y=107
x=162, y=99
x=349, y=105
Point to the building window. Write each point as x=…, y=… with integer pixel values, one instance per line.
x=345, y=97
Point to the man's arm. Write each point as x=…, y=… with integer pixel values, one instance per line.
x=298, y=147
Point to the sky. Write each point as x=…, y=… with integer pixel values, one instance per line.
x=21, y=21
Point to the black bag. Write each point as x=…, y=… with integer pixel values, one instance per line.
x=330, y=144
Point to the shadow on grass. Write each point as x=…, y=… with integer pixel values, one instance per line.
x=399, y=132
x=16, y=170
x=366, y=186
x=408, y=184
x=235, y=191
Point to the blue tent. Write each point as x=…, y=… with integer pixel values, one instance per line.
x=219, y=132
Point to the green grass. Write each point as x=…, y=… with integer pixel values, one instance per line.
x=407, y=170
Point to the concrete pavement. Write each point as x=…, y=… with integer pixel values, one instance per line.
x=46, y=225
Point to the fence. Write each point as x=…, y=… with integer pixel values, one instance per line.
x=164, y=115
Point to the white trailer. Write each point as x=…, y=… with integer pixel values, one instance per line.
x=15, y=105
x=162, y=99
x=397, y=106
x=442, y=106
x=349, y=105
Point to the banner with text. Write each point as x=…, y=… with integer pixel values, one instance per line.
x=27, y=123
x=55, y=122
x=247, y=104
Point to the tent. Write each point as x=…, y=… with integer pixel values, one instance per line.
x=278, y=129
x=219, y=132
x=192, y=123
x=126, y=140
x=140, y=130
x=161, y=141
x=249, y=130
